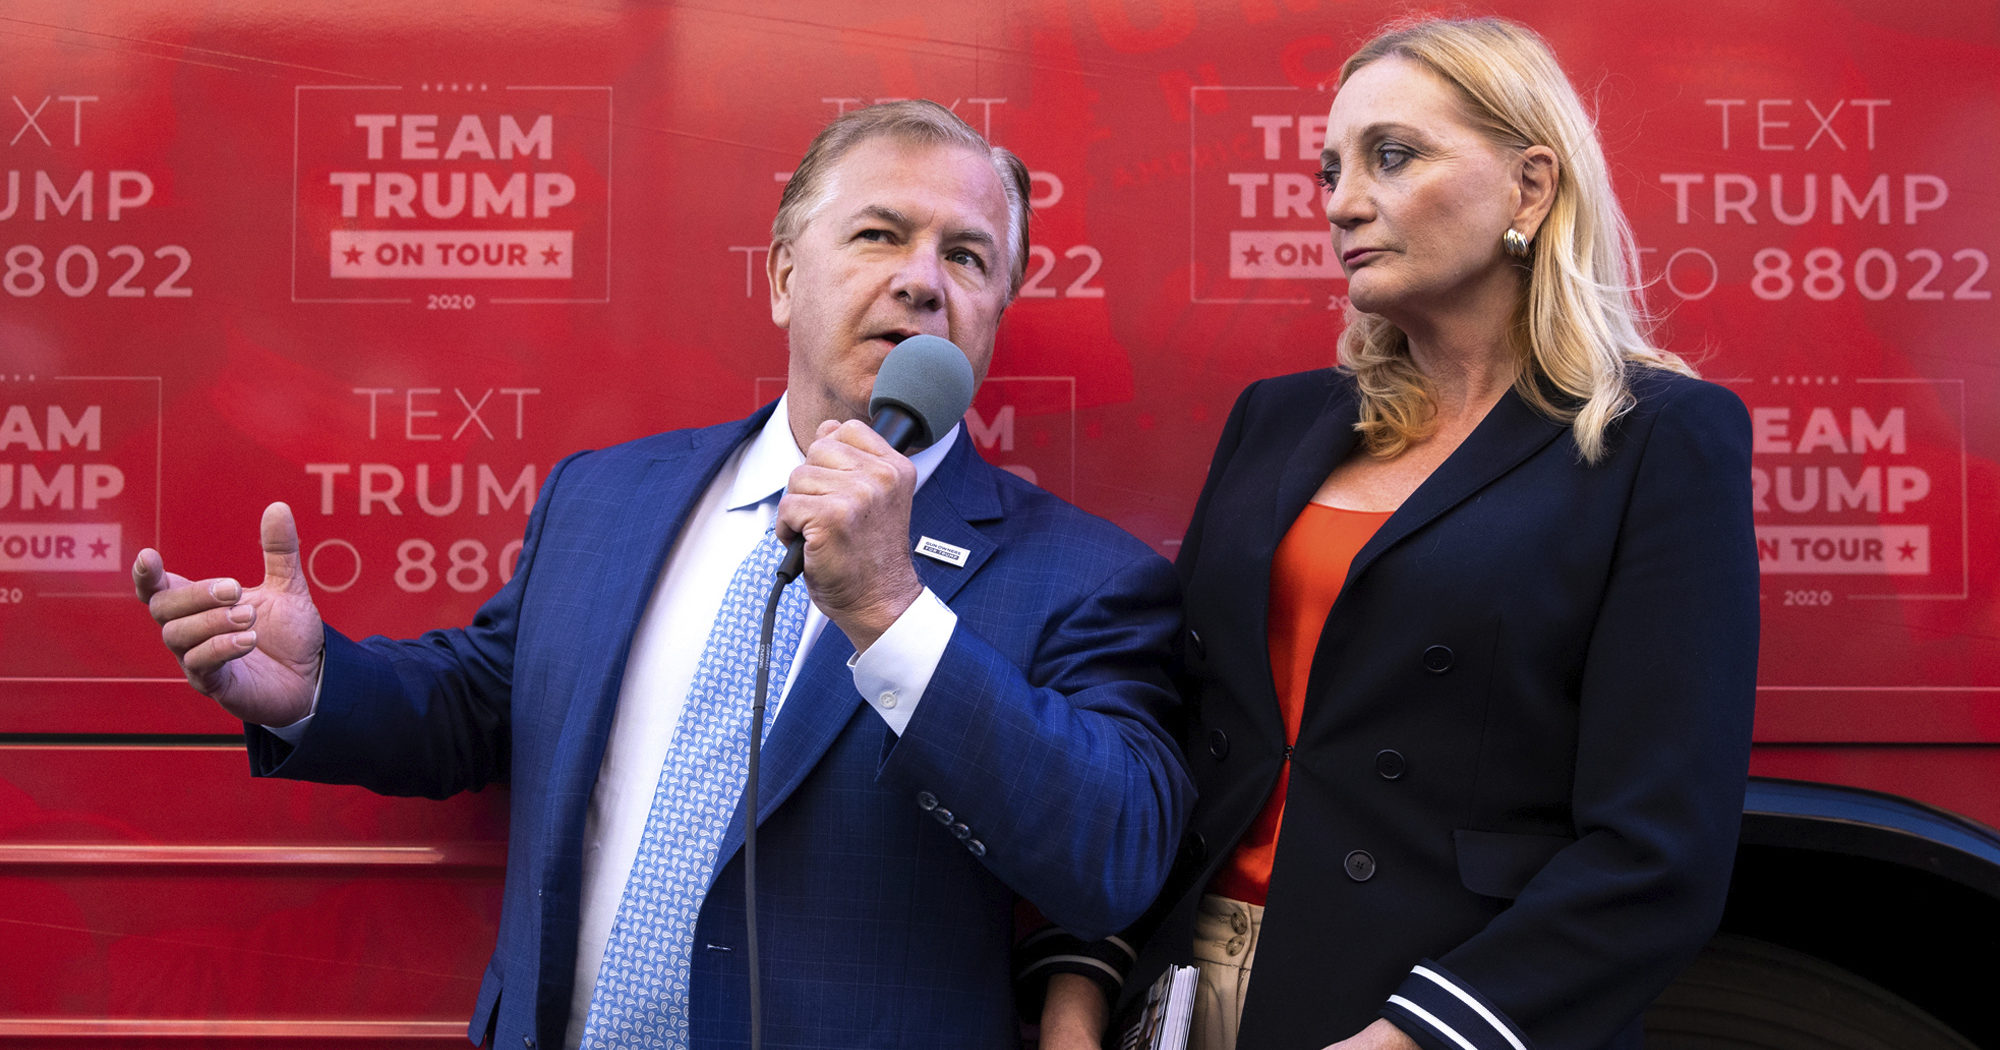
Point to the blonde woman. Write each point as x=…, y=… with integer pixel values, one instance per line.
x=1471, y=619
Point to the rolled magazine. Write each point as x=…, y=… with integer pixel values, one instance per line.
x=1161, y=1020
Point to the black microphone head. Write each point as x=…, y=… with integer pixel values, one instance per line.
x=927, y=377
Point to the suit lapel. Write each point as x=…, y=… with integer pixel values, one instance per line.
x=963, y=490
x=1327, y=440
x=1323, y=440
x=822, y=701
x=656, y=507
x=1509, y=434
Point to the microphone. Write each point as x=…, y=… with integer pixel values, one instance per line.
x=923, y=387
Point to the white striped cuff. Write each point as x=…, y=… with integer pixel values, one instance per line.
x=1441, y=1013
x=1051, y=951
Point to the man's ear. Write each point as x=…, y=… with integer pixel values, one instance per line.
x=778, y=272
x=1536, y=181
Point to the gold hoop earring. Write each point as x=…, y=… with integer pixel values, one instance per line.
x=1514, y=243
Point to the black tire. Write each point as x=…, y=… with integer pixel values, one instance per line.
x=1744, y=994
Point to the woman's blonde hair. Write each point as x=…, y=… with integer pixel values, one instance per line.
x=1581, y=326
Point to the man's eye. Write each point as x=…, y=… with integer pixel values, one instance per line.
x=965, y=257
x=872, y=235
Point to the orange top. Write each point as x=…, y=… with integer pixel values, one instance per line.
x=1306, y=575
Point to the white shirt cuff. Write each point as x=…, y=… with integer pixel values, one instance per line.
x=893, y=673
x=296, y=732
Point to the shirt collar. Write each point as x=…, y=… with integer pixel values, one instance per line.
x=772, y=455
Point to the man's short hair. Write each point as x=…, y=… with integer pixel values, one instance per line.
x=918, y=121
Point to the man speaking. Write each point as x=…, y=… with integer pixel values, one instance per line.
x=952, y=729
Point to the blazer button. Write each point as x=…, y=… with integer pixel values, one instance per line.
x=1360, y=865
x=926, y=801
x=960, y=832
x=942, y=814
x=1437, y=659
x=1218, y=744
x=976, y=848
x=1195, y=644
x=1389, y=763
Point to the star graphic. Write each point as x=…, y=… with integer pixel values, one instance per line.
x=353, y=254
x=1908, y=550
x=1252, y=255
x=100, y=549
x=551, y=255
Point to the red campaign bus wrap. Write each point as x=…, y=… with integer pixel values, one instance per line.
x=389, y=262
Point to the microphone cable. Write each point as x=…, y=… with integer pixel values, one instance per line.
x=784, y=575
x=922, y=386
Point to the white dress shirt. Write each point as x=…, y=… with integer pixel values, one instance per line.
x=722, y=527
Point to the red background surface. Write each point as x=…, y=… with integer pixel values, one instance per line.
x=148, y=886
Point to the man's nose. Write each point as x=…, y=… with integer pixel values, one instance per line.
x=919, y=280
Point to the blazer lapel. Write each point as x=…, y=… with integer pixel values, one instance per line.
x=658, y=505
x=822, y=700
x=1327, y=440
x=1509, y=434
x=1322, y=442
x=963, y=490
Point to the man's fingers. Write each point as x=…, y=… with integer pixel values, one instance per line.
x=867, y=453
x=795, y=512
x=860, y=435
x=149, y=574
x=811, y=479
x=181, y=598
x=280, y=535
x=151, y=578
x=832, y=453
x=187, y=633
x=205, y=661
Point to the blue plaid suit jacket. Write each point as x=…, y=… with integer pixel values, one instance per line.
x=880, y=924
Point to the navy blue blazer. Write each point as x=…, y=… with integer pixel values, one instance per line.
x=1525, y=738
x=1035, y=767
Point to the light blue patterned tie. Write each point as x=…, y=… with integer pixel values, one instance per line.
x=641, y=997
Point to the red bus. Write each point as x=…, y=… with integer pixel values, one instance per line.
x=389, y=261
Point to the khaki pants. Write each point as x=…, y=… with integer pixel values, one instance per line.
x=1225, y=942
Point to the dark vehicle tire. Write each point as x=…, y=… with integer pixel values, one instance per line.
x=1744, y=994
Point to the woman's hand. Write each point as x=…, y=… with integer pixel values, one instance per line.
x=1075, y=1014
x=1378, y=1036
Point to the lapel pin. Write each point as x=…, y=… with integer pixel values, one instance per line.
x=942, y=551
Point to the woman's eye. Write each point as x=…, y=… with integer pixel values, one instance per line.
x=1393, y=157
x=1327, y=178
